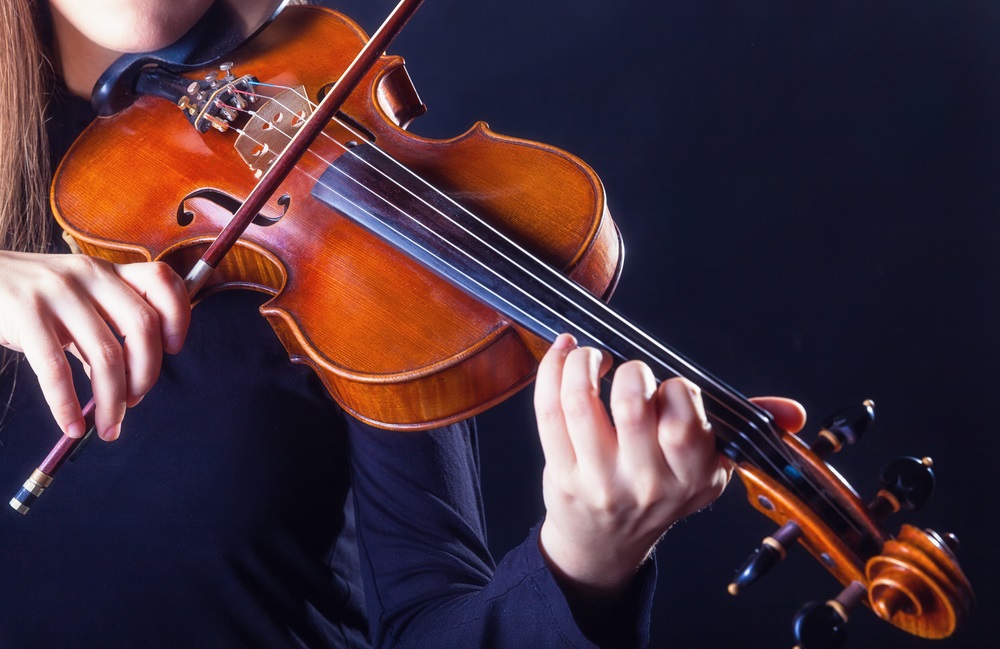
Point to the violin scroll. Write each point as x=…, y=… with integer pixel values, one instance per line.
x=911, y=580
x=916, y=584
x=494, y=245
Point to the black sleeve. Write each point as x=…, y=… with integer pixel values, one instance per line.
x=429, y=578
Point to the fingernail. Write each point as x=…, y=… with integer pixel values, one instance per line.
x=77, y=429
x=112, y=433
x=564, y=342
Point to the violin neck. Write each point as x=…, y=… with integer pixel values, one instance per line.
x=434, y=230
x=396, y=205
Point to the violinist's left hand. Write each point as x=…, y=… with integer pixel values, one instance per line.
x=612, y=489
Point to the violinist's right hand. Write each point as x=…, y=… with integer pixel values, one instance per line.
x=51, y=304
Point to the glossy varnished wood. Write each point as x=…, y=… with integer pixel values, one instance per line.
x=913, y=580
x=400, y=348
x=392, y=343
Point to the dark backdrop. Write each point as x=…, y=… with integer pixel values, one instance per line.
x=807, y=193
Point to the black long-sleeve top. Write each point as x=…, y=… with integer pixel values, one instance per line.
x=243, y=508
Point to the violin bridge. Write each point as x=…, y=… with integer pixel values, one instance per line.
x=271, y=127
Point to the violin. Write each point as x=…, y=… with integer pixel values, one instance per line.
x=455, y=263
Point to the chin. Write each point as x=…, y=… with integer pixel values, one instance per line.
x=132, y=25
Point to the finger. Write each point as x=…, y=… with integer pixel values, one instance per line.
x=633, y=410
x=47, y=359
x=121, y=372
x=139, y=326
x=126, y=307
x=587, y=420
x=552, y=433
x=164, y=291
x=788, y=414
x=685, y=437
x=100, y=350
x=82, y=323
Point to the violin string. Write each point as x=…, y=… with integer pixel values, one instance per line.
x=774, y=443
x=780, y=448
x=707, y=378
x=346, y=149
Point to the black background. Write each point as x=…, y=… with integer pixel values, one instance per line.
x=807, y=193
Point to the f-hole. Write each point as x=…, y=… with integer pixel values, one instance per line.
x=229, y=203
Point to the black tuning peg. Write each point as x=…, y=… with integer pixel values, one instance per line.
x=907, y=483
x=771, y=552
x=824, y=626
x=846, y=426
x=820, y=626
x=950, y=541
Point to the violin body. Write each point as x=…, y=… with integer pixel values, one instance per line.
x=398, y=346
x=394, y=344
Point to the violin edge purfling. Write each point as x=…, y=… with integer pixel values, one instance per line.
x=453, y=356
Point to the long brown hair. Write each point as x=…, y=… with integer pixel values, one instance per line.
x=24, y=158
x=25, y=170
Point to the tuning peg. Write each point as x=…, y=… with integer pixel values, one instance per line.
x=771, y=552
x=846, y=426
x=227, y=69
x=824, y=626
x=907, y=483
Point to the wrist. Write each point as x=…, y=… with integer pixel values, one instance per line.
x=595, y=574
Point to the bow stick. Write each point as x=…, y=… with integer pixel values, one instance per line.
x=199, y=274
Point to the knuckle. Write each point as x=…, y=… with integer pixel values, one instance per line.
x=55, y=281
x=68, y=274
x=110, y=353
x=171, y=294
x=51, y=367
x=89, y=266
x=561, y=485
x=30, y=304
x=145, y=320
x=650, y=491
x=604, y=500
x=629, y=408
x=677, y=433
x=162, y=273
x=577, y=402
x=547, y=414
x=65, y=411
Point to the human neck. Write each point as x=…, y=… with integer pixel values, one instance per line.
x=78, y=60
